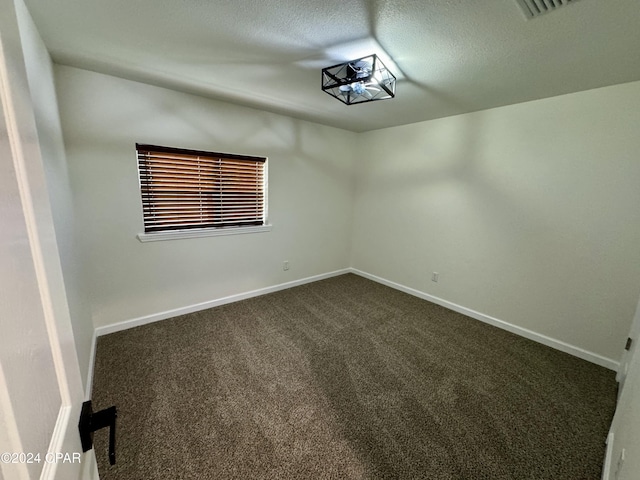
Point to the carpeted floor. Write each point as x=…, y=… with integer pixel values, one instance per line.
x=346, y=379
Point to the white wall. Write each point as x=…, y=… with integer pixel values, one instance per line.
x=528, y=212
x=310, y=195
x=45, y=107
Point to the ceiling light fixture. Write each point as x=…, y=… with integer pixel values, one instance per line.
x=358, y=81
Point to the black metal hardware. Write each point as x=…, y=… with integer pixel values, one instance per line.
x=91, y=421
x=360, y=80
x=628, y=345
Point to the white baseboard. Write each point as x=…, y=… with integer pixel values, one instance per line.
x=608, y=458
x=136, y=322
x=531, y=335
x=92, y=361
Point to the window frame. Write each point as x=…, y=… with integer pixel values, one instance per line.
x=174, y=232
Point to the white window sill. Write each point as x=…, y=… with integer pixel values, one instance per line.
x=204, y=232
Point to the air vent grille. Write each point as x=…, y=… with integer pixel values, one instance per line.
x=535, y=8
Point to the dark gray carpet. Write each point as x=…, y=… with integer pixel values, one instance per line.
x=345, y=379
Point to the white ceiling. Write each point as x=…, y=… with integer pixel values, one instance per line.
x=455, y=56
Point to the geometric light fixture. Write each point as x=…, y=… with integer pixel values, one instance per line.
x=361, y=80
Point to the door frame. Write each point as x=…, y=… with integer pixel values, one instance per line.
x=627, y=355
x=22, y=149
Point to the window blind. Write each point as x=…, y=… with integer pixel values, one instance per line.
x=185, y=189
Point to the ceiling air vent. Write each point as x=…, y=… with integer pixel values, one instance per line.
x=535, y=8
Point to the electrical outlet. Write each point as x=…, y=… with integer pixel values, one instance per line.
x=285, y=265
x=435, y=276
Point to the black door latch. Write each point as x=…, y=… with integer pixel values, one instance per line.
x=91, y=421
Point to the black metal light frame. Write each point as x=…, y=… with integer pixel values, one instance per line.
x=352, y=84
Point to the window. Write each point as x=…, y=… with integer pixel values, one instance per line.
x=188, y=190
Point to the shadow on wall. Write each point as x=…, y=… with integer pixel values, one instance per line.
x=209, y=125
x=446, y=165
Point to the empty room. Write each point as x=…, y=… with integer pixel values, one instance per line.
x=320, y=240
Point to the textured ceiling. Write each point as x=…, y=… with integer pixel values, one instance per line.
x=455, y=56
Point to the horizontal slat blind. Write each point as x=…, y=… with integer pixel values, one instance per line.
x=184, y=189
